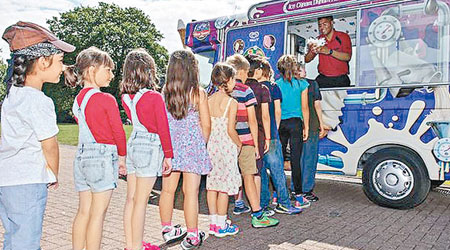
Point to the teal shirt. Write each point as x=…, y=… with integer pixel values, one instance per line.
x=291, y=106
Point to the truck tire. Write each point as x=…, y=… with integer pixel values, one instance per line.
x=395, y=177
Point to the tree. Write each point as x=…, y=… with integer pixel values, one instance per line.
x=111, y=28
x=3, y=69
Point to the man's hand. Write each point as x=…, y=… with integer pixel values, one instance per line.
x=323, y=50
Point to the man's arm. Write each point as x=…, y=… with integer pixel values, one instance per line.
x=336, y=54
x=310, y=55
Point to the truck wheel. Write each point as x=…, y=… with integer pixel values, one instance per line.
x=395, y=177
x=435, y=184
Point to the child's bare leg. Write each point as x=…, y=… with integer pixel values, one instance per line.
x=211, y=198
x=127, y=213
x=169, y=187
x=222, y=204
x=81, y=220
x=99, y=206
x=258, y=185
x=250, y=190
x=143, y=188
x=191, y=184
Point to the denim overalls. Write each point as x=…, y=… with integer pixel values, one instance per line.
x=145, y=154
x=96, y=164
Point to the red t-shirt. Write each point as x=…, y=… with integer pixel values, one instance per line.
x=103, y=119
x=330, y=66
x=151, y=112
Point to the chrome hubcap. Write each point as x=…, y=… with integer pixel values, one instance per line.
x=393, y=179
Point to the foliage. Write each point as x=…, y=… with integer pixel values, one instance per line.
x=3, y=69
x=68, y=133
x=111, y=28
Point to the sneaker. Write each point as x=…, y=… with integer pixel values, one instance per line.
x=264, y=221
x=287, y=210
x=229, y=229
x=241, y=209
x=148, y=246
x=268, y=211
x=301, y=202
x=213, y=229
x=275, y=199
x=174, y=234
x=191, y=242
x=311, y=197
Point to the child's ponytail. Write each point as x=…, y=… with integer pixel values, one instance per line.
x=21, y=66
x=71, y=78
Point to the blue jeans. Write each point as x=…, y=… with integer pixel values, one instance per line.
x=309, y=162
x=273, y=161
x=22, y=212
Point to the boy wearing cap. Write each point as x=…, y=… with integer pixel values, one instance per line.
x=29, y=154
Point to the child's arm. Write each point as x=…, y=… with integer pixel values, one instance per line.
x=112, y=110
x=277, y=105
x=205, y=119
x=253, y=124
x=266, y=125
x=305, y=112
x=323, y=132
x=50, y=148
x=232, y=124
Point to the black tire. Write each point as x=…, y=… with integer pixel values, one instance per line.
x=391, y=169
x=435, y=184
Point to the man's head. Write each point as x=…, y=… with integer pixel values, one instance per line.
x=240, y=64
x=326, y=25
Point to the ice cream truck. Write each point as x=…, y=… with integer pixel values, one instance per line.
x=393, y=122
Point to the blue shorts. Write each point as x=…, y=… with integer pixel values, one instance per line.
x=145, y=155
x=22, y=213
x=96, y=167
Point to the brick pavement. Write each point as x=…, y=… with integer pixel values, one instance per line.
x=342, y=219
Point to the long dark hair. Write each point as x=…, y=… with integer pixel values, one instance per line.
x=221, y=74
x=182, y=83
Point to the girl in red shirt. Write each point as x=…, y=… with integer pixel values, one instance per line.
x=149, y=146
x=101, y=145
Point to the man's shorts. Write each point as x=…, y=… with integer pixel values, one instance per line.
x=247, y=160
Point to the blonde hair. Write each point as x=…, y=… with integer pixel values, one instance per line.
x=75, y=74
x=238, y=62
x=286, y=65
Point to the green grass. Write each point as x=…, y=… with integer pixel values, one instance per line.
x=68, y=133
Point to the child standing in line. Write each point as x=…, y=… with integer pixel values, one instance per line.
x=247, y=129
x=273, y=159
x=294, y=125
x=223, y=147
x=262, y=95
x=190, y=126
x=316, y=130
x=29, y=153
x=149, y=147
x=101, y=145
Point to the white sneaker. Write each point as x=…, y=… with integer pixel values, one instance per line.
x=191, y=241
x=173, y=234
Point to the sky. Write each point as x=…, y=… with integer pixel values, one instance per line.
x=163, y=13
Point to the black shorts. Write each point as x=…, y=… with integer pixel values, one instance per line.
x=333, y=81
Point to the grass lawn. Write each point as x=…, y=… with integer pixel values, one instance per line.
x=68, y=133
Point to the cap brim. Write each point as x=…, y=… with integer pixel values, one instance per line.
x=63, y=46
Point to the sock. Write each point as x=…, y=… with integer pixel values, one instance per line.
x=258, y=214
x=275, y=195
x=213, y=219
x=166, y=226
x=192, y=232
x=221, y=221
x=239, y=203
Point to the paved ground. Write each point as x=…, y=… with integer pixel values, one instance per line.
x=342, y=219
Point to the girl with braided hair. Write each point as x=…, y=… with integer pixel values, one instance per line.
x=224, y=146
x=29, y=153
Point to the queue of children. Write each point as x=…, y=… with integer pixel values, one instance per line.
x=235, y=137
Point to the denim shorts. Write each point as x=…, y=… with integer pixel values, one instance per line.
x=22, y=213
x=96, y=167
x=145, y=155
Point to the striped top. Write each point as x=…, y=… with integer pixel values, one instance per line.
x=245, y=98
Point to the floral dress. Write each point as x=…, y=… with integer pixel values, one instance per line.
x=225, y=176
x=189, y=147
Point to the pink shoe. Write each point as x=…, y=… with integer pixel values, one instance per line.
x=148, y=246
x=213, y=229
